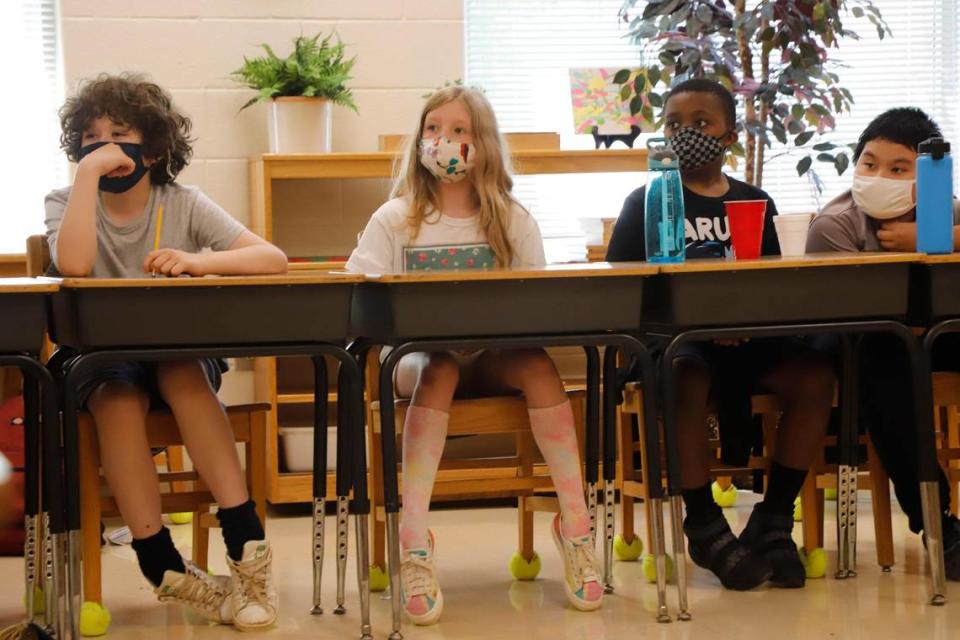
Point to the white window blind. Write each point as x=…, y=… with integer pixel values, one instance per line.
x=519, y=51
x=32, y=163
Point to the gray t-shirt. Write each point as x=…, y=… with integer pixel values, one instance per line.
x=191, y=222
x=842, y=226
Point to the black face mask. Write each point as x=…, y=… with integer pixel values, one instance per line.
x=123, y=183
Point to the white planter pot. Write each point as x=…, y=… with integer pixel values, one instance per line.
x=300, y=125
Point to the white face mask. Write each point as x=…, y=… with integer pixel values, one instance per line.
x=883, y=198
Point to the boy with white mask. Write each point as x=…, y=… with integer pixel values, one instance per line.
x=879, y=214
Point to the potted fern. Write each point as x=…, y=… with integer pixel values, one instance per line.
x=301, y=90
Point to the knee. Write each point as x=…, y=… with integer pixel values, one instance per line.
x=812, y=382
x=181, y=377
x=441, y=372
x=692, y=382
x=117, y=399
x=534, y=366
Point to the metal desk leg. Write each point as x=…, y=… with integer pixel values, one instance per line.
x=592, y=436
x=32, y=507
x=319, y=476
x=610, y=403
x=343, y=492
x=391, y=497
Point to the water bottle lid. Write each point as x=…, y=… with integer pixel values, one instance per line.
x=935, y=147
x=660, y=156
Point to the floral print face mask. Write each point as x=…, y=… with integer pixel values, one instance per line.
x=449, y=161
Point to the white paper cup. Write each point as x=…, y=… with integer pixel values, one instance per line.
x=792, y=232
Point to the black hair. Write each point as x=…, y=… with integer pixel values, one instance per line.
x=702, y=85
x=907, y=126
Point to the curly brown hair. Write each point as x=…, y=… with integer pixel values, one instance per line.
x=132, y=100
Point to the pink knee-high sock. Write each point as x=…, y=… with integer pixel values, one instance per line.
x=424, y=434
x=554, y=431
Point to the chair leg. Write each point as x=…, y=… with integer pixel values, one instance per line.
x=627, y=473
x=953, y=442
x=525, y=449
x=812, y=505
x=882, y=516
x=257, y=464
x=201, y=533
x=379, y=533
x=90, y=510
x=174, y=455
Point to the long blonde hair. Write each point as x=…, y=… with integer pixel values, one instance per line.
x=489, y=177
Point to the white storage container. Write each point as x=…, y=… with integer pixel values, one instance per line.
x=296, y=446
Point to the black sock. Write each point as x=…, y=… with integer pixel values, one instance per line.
x=701, y=508
x=240, y=524
x=783, y=488
x=156, y=555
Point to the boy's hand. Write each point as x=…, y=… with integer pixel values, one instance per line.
x=109, y=160
x=898, y=236
x=173, y=262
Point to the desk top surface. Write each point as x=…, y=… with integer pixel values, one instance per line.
x=946, y=258
x=790, y=262
x=214, y=281
x=579, y=270
x=28, y=285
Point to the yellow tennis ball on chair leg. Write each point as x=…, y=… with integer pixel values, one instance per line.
x=379, y=580
x=814, y=562
x=627, y=552
x=650, y=568
x=94, y=619
x=724, y=497
x=797, y=510
x=521, y=569
x=181, y=518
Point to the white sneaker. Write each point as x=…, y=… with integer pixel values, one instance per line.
x=580, y=568
x=254, y=599
x=209, y=595
x=417, y=578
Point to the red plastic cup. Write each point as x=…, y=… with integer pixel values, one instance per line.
x=745, y=222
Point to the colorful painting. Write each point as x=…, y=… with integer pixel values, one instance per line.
x=597, y=103
x=448, y=258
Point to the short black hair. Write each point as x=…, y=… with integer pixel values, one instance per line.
x=702, y=85
x=908, y=126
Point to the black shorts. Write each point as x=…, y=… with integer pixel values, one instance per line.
x=140, y=374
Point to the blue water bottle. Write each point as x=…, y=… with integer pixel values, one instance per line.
x=934, y=197
x=663, y=207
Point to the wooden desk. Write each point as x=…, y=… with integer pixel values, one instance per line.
x=244, y=316
x=713, y=293
x=703, y=300
x=588, y=305
x=23, y=303
x=935, y=289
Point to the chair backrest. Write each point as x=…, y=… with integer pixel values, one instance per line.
x=38, y=256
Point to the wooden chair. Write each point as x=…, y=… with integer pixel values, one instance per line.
x=520, y=475
x=946, y=404
x=186, y=493
x=766, y=406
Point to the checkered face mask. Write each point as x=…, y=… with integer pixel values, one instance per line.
x=695, y=148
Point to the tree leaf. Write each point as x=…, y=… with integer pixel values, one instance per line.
x=824, y=146
x=804, y=165
x=625, y=92
x=655, y=100
x=826, y=157
x=621, y=76
x=636, y=103
x=803, y=138
x=841, y=163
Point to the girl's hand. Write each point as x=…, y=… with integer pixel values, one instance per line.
x=173, y=262
x=109, y=160
x=898, y=236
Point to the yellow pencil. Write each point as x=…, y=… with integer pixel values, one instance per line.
x=156, y=238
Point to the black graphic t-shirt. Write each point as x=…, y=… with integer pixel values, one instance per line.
x=707, y=234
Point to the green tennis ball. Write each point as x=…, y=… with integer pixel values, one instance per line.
x=830, y=494
x=724, y=497
x=39, y=602
x=520, y=569
x=650, y=568
x=815, y=562
x=627, y=552
x=379, y=579
x=181, y=518
x=94, y=619
x=797, y=510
